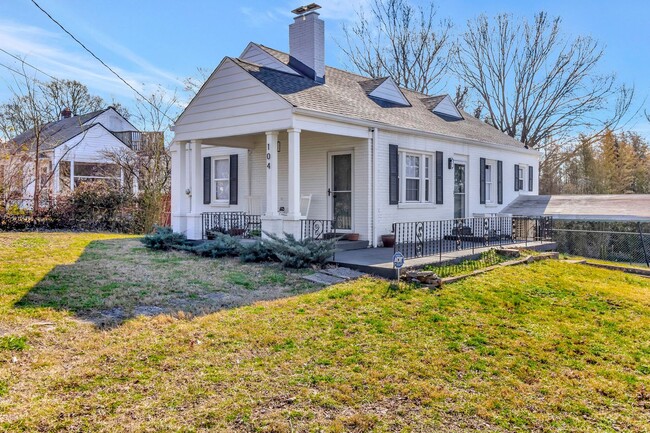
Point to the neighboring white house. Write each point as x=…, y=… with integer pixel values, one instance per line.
x=73, y=150
x=283, y=136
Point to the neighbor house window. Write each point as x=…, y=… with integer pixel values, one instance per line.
x=221, y=179
x=416, y=183
x=96, y=171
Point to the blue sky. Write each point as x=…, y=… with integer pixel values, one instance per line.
x=161, y=42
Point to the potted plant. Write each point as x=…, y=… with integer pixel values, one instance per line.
x=388, y=241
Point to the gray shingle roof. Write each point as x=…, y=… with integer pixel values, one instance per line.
x=58, y=132
x=346, y=94
x=596, y=207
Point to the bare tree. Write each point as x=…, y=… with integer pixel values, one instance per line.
x=399, y=40
x=534, y=84
x=149, y=166
x=49, y=99
x=193, y=84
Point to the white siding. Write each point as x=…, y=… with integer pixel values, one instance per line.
x=389, y=91
x=242, y=184
x=89, y=146
x=112, y=121
x=255, y=54
x=232, y=102
x=448, y=108
x=314, y=158
x=471, y=153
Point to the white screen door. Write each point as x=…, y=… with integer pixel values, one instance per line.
x=340, y=190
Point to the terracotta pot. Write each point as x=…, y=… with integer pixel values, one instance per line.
x=388, y=241
x=352, y=237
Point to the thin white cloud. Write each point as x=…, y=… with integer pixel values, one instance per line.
x=58, y=56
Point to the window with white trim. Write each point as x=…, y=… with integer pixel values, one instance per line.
x=489, y=184
x=221, y=179
x=415, y=185
x=521, y=178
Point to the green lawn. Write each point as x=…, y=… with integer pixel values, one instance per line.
x=550, y=346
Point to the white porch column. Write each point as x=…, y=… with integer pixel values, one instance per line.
x=182, y=179
x=196, y=165
x=271, y=174
x=294, y=174
x=179, y=186
x=194, y=230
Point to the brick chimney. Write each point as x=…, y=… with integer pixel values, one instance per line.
x=307, y=43
x=66, y=113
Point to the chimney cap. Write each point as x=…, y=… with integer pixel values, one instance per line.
x=304, y=9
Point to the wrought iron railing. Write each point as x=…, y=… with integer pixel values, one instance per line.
x=430, y=238
x=318, y=229
x=230, y=223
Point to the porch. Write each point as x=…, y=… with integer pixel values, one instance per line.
x=272, y=182
x=451, y=241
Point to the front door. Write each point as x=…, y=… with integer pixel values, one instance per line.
x=459, y=190
x=340, y=190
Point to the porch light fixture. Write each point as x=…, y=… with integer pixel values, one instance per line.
x=450, y=163
x=278, y=146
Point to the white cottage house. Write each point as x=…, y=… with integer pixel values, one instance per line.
x=73, y=150
x=285, y=137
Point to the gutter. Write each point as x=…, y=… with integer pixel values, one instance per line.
x=373, y=124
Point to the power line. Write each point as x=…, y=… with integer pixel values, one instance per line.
x=13, y=70
x=100, y=60
x=28, y=64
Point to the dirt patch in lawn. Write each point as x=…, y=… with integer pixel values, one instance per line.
x=114, y=280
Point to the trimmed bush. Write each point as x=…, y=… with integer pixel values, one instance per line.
x=164, y=239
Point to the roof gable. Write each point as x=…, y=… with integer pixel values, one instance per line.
x=115, y=120
x=386, y=90
x=254, y=54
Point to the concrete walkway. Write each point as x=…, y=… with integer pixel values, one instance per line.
x=378, y=261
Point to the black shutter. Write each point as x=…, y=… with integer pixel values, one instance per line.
x=500, y=182
x=516, y=177
x=234, y=175
x=482, y=180
x=207, y=180
x=530, y=178
x=439, y=177
x=393, y=174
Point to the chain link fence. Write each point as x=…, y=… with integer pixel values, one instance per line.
x=617, y=241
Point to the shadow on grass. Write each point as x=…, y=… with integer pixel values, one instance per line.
x=115, y=280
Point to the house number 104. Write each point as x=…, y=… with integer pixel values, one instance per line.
x=268, y=155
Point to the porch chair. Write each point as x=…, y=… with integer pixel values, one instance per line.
x=305, y=204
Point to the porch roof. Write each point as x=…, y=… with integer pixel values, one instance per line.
x=345, y=94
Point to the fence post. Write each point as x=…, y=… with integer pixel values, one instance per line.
x=645, y=253
x=440, y=240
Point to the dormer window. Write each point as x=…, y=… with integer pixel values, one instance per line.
x=385, y=89
x=443, y=106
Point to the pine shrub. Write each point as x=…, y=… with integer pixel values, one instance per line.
x=164, y=238
x=221, y=246
x=294, y=253
x=258, y=251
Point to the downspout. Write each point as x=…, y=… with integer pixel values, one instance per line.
x=373, y=185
